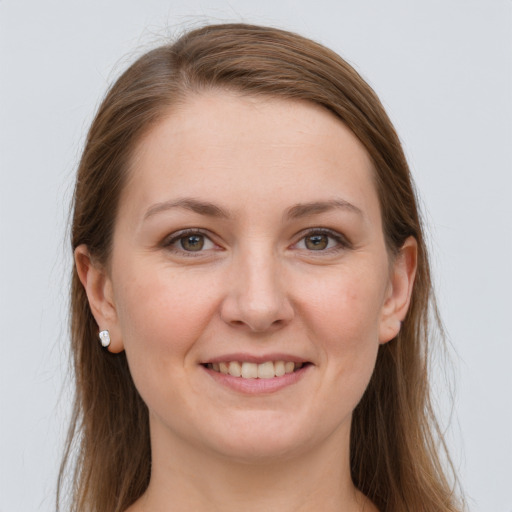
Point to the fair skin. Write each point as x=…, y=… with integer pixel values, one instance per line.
x=250, y=232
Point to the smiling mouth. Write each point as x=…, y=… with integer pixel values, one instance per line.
x=247, y=370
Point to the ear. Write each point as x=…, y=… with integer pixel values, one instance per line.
x=399, y=292
x=98, y=287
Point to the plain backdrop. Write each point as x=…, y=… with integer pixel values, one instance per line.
x=443, y=70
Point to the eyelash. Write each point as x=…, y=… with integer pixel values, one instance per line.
x=180, y=235
x=341, y=242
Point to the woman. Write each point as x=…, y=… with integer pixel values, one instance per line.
x=248, y=250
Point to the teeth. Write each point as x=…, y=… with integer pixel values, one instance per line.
x=266, y=370
x=289, y=367
x=234, y=369
x=279, y=368
x=246, y=370
x=249, y=370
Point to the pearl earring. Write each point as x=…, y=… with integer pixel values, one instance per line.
x=105, y=338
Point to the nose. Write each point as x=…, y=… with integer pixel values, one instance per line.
x=256, y=296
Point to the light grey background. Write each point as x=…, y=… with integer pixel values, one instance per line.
x=443, y=70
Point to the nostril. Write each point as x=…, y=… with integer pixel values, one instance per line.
x=256, y=313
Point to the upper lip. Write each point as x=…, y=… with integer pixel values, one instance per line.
x=253, y=358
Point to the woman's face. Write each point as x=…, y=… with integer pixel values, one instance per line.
x=249, y=241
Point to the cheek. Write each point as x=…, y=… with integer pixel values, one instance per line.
x=344, y=319
x=162, y=314
x=161, y=318
x=347, y=309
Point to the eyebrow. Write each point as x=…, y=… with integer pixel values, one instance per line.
x=317, y=207
x=211, y=210
x=194, y=205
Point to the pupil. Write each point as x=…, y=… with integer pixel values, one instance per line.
x=192, y=242
x=317, y=242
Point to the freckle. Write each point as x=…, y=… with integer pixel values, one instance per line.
x=352, y=295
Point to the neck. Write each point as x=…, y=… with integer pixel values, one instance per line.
x=185, y=478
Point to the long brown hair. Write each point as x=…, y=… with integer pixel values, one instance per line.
x=395, y=440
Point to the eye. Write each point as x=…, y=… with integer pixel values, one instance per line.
x=317, y=242
x=192, y=242
x=189, y=241
x=322, y=240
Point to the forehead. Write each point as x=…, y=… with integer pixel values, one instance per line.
x=232, y=148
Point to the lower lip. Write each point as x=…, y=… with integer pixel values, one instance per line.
x=258, y=386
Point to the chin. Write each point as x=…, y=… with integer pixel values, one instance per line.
x=267, y=440
x=263, y=451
